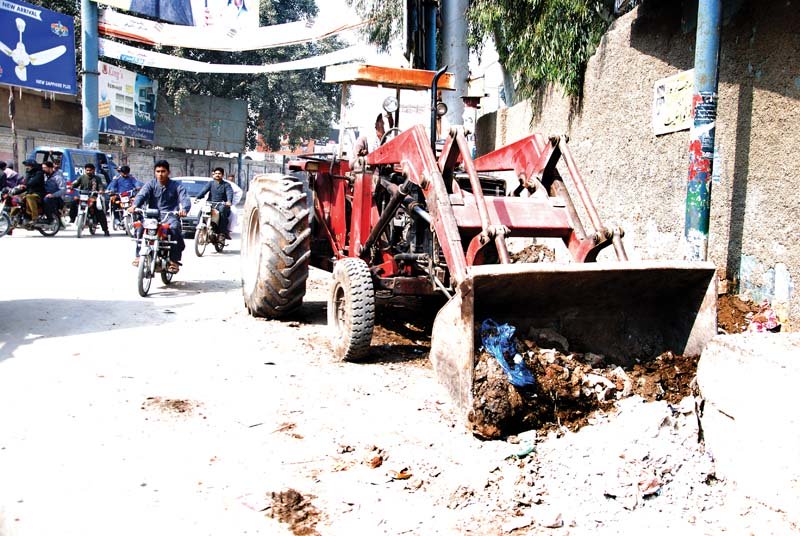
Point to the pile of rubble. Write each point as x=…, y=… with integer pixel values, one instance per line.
x=567, y=388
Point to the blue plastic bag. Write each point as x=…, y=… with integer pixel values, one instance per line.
x=498, y=339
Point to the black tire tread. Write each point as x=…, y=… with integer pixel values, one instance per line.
x=283, y=245
x=354, y=277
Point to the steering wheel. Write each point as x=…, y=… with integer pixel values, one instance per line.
x=394, y=131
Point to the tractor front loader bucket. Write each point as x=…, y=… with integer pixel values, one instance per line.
x=625, y=311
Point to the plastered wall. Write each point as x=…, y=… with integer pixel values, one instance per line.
x=639, y=180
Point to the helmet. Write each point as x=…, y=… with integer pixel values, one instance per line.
x=124, y=169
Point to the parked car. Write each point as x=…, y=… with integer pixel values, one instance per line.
x=71, y=162
x=193, y=185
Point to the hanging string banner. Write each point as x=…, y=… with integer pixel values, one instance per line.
x=147, y=58
x=114, y=24
x=198, y=13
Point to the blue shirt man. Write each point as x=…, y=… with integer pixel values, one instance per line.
x=166, y=196
x=124, y=182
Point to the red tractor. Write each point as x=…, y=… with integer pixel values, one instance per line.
x=413, y=219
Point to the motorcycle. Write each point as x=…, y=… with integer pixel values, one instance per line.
x=208, y=229
x=89, y=202
x=154, y=247
x=14, y=212
x=121, y=219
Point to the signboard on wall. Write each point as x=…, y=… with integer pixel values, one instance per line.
x=203, y=123
x=37, y=48
x=127, y=104
x=672, y=103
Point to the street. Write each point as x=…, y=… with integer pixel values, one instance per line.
x=179, y=414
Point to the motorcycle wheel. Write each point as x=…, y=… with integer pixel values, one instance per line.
x=144, y=276
x=92, y=225
x=219, y=245
x=200, y=241
x=50, y=229
x=128, y=224
x=5, y=223
x=166, y=277
x=79, y=223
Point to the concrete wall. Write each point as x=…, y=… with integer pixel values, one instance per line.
x=639, y=180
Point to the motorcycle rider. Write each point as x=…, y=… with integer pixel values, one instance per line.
x=123, y=182
x=8, y=177
x=220, y=192
x=55, y=187
x=33, y=188
x=95, y=183
x=165, y=195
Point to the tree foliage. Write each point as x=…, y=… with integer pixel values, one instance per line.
x=385, y=20
x=294, y=103
x=541, y=41
x=538, y=41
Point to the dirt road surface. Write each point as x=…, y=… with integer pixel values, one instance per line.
x=178, y=414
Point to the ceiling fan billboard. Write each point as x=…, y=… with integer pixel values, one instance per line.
x=37, y=48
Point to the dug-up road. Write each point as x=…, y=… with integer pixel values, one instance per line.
x=178, y=414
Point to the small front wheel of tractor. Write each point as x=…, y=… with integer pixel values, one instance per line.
x=276, y=245
x=351, y=309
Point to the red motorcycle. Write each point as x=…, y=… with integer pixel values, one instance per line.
x=15, y=215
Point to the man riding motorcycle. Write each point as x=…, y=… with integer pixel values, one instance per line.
x=92, y=182
x=33, y=189
x=167, y=196
x=124, y=182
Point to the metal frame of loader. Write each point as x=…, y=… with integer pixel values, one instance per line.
x=403, y=222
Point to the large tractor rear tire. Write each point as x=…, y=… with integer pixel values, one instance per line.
x=276, y=245
x=351, y=309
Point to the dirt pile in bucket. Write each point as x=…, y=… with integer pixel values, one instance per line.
x=567, y=387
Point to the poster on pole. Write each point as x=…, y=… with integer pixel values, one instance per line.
x=223, y=13
x=127, y=105
x=672, y=103
x=37, y=48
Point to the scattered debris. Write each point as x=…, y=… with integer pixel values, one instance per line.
x=534, y=253
x=763, y=320
x=567, y=388
x=170, y=405
x=732, y=313
x=402, y=474
x=297, y=511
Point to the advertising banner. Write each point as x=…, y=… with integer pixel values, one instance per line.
x=37, y=48
x=672, y=103
x=114, y=24
x=127, y=105
x=137, y=56
x=224, y=13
